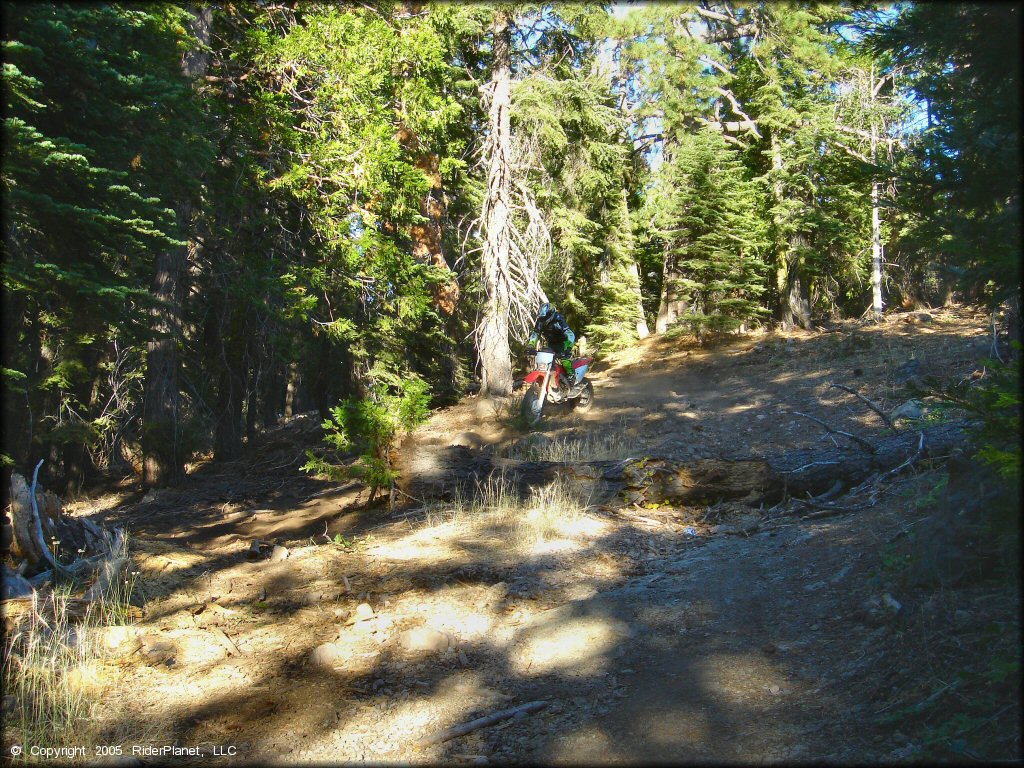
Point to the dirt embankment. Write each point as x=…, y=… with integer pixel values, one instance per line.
x=741, y=630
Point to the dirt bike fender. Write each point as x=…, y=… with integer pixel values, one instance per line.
x=533, y=376
x=581, y=366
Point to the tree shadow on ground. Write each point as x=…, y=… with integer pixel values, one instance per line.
x=683, y=651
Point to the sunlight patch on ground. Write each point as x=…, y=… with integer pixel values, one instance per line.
x=494, y=520
x=425, y=544
x=565, y=536
x=575, y=645
x=456, y=616
x=739, y=677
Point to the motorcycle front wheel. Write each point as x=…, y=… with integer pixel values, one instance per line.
x=531, y=407
x=586, y=398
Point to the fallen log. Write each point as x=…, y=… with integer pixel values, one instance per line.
x=694, y=482
x=36, y=517
x=813, y=472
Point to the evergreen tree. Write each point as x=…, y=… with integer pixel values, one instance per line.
x=101, y=141
x=707, y=219
x=963, y=193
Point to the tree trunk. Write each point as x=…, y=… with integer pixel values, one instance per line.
x=426, y=236
x=795, y=309
x=270, y=392
x=793, y=304
x=492, y=335
x=162, y=459
x=162, y=462
x=1012, y=317
x=797, y=304
x=672, y=303
x=642, y=331
x=228, y=428
x=251, y=405
x=876, y=225
x=876, y=254
x=292, y=389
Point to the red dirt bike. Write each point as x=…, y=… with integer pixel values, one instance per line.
x=547, y=384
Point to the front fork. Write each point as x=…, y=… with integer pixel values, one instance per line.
x=544, y=389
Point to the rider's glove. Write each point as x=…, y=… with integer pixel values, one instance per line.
x=532, y=340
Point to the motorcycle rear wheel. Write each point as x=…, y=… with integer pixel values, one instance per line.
x=531, y=407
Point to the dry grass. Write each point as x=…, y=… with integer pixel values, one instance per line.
x=554, y=511
x=607, y=444
x=53, y=666
x=508, y=411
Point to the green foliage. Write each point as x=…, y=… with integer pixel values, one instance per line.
x=369, y=426
x=963, y=188
x=102, y=139
x=995, y=403
x=329, y=143
x=981, y=690
x=705, y=216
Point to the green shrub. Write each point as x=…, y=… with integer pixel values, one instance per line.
x=369, y=426
x=994, y=403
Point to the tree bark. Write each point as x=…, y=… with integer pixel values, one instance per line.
x=876, y=224
x=492, y=335
x=672, y=303
x=642, y=331
x=163, y=462
x=793, y=305
x=292, y=389
x=228, y=428
x=796, y=308
x=1011, y=312
x=426, y=236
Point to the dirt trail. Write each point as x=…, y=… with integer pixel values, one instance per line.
x=651, y=637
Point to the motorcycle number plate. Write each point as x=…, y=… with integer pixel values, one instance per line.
x=544, y=358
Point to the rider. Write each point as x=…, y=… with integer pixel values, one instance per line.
x=559, y=336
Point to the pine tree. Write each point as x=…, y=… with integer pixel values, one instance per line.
x=712, y=237
x=101, y=141
x=963, y=192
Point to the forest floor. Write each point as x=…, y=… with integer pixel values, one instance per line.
x=652, y=634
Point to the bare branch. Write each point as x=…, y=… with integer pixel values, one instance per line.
x=751, y=124
x=851, y=151
x=864, y=134
x=743, y=30
x=733, y=126
x=879, y=84
x=707, y=13
x=717, y=65
x=831, y=430
x=868, y=403
x=41, y=540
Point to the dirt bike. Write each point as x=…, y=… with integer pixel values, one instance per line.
x=547, y=384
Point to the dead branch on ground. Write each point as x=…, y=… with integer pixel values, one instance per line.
x=480, y=722
x=873, y=406
x=833, y=431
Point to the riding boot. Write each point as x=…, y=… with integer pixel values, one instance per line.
x=570, y=378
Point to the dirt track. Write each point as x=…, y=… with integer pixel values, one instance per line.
x=651, y=637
